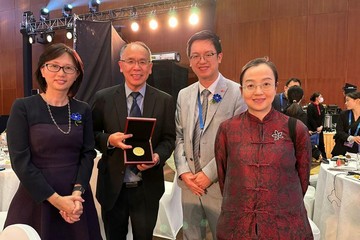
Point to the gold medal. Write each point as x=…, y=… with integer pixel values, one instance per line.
x=138, y=151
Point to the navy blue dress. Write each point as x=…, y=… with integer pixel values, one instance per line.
x=47, y=161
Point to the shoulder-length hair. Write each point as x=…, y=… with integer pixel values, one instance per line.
x=55, y=51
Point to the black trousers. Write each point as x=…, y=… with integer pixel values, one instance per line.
x=133, y=203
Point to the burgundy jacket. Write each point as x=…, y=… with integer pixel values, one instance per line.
x=263, y=178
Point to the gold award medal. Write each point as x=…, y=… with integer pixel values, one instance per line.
x=138, y=151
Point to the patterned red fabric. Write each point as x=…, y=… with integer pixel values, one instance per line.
x=262, y=181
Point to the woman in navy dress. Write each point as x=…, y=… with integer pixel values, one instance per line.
x=51, y=148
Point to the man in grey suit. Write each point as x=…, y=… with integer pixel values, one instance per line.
x=197, y=121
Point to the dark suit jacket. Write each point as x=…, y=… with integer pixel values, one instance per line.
x=109, y=116
x=277, y=102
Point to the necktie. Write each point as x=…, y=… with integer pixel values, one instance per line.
x=134, y=112
x=135, y=109
x=197, y=131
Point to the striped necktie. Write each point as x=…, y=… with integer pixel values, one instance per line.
x=197, y=131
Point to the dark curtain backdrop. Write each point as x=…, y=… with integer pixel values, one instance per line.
x=98, y=45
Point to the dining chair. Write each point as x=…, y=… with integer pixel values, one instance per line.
x=19, y=232
x=170, y=215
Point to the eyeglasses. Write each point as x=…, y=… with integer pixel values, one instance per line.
x=56, y=68
x=133, y=62
x=197, y=57
x=266, y=86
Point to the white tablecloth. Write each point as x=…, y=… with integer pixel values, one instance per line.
x=337, y=205
x=9, y=183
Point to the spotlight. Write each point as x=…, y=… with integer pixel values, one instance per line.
x=69, y=34
x=46, y=37
x=49, y=36
x=135, y=26
x=153, y=24
x=67, y=10
x=44, y=14
x=173, y=21
x=69, y=31
x=194, y=16
x=32, y=37
x=94, y=6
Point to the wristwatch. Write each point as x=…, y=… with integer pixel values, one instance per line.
x=79, y=188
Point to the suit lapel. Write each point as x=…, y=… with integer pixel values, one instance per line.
x=121, y=106
x=192, y=109
x=221, y=89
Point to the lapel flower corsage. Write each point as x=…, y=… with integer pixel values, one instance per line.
x=216, y=98
x=77, y=118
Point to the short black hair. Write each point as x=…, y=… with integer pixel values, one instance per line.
x=256, y=62
x=292, y=80
x=54, y=51
x=295, y=94
x=204, y=35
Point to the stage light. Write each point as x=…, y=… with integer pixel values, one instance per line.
x=69, y=31
x=67, y=10
x=94, y=6
x=153, y=24
x=46, y=37
x=50, y=36
x=44, y=14
x=173, y=21
x=32, y=37
x=69, y=34
x=194, y=15
x=135, y=26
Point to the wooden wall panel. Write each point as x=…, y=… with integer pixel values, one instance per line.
x=225, y=16
x=292, y=8
x=230, y=50
x=327, y=6
x=252, y=10
x=353, y=48
x=326, y=52
x=354, y=5
x=251, y=40
x=288, y=47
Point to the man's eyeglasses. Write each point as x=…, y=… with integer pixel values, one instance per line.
x=132, y=62
x=56, y=68
x=266, y=86
x=197, y=57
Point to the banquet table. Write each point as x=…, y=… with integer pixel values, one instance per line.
x=9, y=183
x=337, y=203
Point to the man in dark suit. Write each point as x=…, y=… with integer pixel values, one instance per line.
x=281, y=102
x=124, y=191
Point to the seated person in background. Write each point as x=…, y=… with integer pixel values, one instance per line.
x=281, y=102
x=295, y=95
x=347, y=137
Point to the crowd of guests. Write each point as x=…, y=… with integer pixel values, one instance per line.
x=243, y=175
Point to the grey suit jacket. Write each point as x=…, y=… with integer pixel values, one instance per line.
x=185, y=118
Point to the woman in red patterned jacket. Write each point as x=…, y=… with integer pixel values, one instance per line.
x=263, y=176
